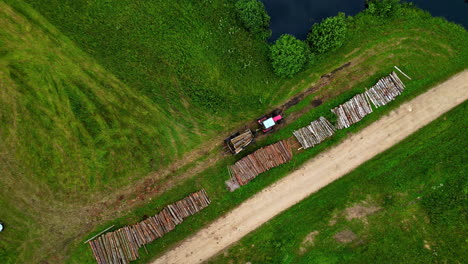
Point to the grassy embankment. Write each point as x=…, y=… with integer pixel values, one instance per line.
x=429, y=49
x=406, y=205
x=191, y=61
x=73, y=130
x=165, y=77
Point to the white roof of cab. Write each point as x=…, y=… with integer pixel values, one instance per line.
x=268, y=123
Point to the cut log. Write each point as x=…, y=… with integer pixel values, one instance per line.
x=121, y=246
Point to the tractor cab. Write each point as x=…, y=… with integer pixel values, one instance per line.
x=268, y=122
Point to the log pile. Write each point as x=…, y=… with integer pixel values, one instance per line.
x=260, y=161
x=352, y=111
x=238, y=143
x=315, y=133
x=121, y=246
x=385, y=90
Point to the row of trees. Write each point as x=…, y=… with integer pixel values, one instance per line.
x=288, y=54
x=254, y=17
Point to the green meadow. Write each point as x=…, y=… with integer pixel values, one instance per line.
x=95, y=95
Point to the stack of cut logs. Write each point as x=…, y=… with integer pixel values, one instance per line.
x=260, y=161
x=385, y=90
x=315, y=133
x=121, y=246
x=241, y=141
x=348, y=113
x=352, y=111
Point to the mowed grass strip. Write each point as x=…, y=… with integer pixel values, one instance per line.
x=407, y=205
x=73, y=125
x=68, y=128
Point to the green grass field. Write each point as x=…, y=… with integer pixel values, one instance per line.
x=97, y=94
x=416, y=196
x=188, y=66
x=409, y=54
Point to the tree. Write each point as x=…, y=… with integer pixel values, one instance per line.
x=288, y=55
x=383, y=8
x=254, y=17
x=327, y=35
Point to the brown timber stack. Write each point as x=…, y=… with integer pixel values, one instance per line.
x=241, y=141
x=260, y=161
x=385, y=90
x=121, y=246
x=314, y=133
x=352, y=111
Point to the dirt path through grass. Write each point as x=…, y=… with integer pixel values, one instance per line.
x=159, y=182
x=320, y=171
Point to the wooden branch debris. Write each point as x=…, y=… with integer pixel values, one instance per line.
x=260, y=161
x=315, y=133
x=98, y=234
x=232, y=184
x=352, y=111
x=402, y=72
x=385, y=90
x=121, y=246
x=238, y=143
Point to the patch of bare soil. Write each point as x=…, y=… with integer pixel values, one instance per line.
x=333, y=220
x=360, y=211
x=357, y=211
x=427, y=245
x=352, y=52
x=345, y=236
x=308, y=241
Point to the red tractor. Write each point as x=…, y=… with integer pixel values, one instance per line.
x=268, y=122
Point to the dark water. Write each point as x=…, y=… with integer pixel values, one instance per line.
x=297, y=16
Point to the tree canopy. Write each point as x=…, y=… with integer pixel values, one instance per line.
x=288, y=55
x=327, y=35
x=383, y=7
x=254, y=17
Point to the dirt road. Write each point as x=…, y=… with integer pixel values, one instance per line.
x=320, y=171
